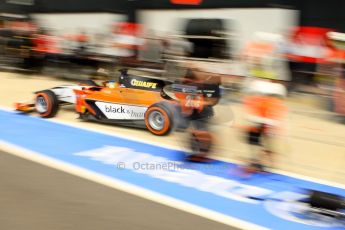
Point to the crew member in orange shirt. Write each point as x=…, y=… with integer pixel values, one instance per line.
x=265, y=113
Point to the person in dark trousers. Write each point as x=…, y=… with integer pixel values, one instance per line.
x=200, y=109
x=265, y=111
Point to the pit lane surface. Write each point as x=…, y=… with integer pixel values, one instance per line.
x=309, y=146
x=69, y=115
x=212, y=191
x=35, y=197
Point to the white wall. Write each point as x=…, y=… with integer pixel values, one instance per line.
x=72, y=23
x=245, y=22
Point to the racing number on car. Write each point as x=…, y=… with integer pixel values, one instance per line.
x=193, y=101
x=190, y=102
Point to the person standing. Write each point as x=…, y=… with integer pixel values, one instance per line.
x=265, y=112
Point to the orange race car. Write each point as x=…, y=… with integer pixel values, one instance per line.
x=133, y=101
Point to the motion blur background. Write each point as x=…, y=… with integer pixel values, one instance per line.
x=297, y=43
x=285, y=40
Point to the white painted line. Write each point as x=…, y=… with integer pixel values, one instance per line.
x=172, y=147
x=79, y=126
x=124, y=136
x=125, y=187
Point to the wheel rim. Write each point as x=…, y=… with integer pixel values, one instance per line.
x=156, y=120
x=41, y=104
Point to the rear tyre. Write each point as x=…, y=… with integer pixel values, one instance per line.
x=46, y=103
x=160, y=118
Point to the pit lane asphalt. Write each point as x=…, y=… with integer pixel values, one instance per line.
x=34, y=197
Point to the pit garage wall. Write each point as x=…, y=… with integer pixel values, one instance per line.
x=243, y=23
x=91, y=23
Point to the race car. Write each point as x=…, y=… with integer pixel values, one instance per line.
x=132, y=101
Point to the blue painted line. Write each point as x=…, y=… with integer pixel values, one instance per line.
x=62, y=142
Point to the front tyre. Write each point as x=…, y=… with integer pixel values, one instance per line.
x=46, y=103
x=159, y=119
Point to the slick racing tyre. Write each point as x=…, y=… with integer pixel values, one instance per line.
x=160, y=118
x=46, y=103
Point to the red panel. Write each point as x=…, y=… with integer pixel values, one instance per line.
x=310, y=44
x=186, y=2
x=127, y=28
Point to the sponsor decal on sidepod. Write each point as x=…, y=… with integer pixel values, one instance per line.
x=122, y=112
